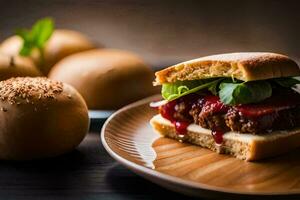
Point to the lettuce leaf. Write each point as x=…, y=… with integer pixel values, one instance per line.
x=172, y=91
x=244, y=93
x=231, y=92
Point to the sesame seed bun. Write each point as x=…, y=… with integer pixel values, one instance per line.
x=61, y=44
x=246, y=66
x=40, y=118
x=16, y=66
x=106, y=78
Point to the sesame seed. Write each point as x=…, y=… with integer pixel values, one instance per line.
x=27, y=88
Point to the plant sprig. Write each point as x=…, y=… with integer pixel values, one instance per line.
x=36, y=37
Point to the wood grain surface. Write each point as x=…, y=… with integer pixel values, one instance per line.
x=129, y=137
x=281, y=174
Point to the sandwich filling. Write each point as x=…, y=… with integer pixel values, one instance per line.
x=223, y=105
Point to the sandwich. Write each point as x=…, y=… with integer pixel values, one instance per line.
x=242, y=104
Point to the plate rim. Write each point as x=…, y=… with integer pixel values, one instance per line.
x=169, y=178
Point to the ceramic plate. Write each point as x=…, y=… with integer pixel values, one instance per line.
x=192, y=170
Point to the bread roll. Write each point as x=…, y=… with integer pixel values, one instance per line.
x=16, y=66
x=40, y=118
x=61, y=44
x=243, y=66
x=107, y=78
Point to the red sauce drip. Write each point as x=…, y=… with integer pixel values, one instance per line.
x=181, y=127
x=168, y=110
x=213, y=104
x=218, y=136
x=209, y=102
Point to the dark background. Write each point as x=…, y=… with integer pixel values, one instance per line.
x=166, y=32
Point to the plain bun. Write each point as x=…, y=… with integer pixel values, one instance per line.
x=107, y=78
x=61, y=44
x=16, y=66
x=246, y=66
x=40, y=118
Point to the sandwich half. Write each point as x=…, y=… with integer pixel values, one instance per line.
x=242, y=104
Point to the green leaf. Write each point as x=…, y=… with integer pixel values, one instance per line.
x=37, y=37
x=42, y=31
x=244, y=93
x=26, y=49
x=230, y=91
x=27, y=45
x=214, y=87
x=172, y=91
x=287, y=82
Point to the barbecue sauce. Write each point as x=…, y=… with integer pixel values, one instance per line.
x=208, y=102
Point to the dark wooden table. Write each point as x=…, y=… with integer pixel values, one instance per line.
x=86, y=173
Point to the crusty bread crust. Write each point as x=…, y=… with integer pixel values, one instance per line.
x=40, y=120
x=17, y=66
x=243, y=146
x=106, y=78
x=247, y=66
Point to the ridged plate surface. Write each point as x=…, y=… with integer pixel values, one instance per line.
x=129, y=138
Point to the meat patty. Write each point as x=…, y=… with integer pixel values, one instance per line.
x=280, y=112
x=181, y=112
x=281, y=120
x=178, y=110
x=206, y=116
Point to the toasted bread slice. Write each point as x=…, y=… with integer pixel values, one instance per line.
x=246, y=66
x=247, y=147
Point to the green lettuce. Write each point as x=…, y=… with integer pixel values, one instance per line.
x=231, y=92
x=172, y=91
x=245, y=92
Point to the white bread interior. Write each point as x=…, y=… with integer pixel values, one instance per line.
x=246, y=66
x=247, y=147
